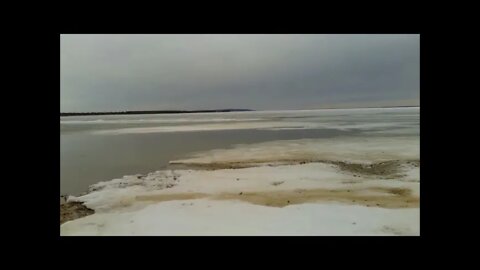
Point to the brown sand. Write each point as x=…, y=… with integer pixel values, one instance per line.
x=388, y=197
x=73, y=210
x=389, y=168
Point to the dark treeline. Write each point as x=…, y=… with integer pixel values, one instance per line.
x=150, y=112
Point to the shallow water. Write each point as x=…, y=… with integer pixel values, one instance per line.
x=88, y=156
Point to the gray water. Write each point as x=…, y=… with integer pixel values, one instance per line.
x=88, y=157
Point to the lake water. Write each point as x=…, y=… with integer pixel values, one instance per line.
x=101, y=148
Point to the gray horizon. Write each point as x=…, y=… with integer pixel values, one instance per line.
x=258, y=72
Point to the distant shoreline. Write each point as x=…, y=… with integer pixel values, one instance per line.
x=152, y=112
x=205, y=111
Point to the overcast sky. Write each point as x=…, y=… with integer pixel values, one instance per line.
x=262, y=72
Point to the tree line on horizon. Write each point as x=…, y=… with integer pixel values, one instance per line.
x=149, y=112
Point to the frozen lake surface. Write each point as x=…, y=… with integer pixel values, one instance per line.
x=101, y=148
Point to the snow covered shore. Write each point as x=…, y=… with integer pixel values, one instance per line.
x=342, y=186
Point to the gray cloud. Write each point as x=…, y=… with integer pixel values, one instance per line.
x=130, y=72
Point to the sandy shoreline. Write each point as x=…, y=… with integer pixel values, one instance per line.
x=277, y=188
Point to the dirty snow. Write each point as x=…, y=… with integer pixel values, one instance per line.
x=120, y=211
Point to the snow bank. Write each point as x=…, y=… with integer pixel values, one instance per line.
x=318, y=198
x=119, y=211
x=116, y=193
x=206, y=217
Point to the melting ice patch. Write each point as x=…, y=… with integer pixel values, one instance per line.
x=338, y=119
x=278, y=125
x=359, y=150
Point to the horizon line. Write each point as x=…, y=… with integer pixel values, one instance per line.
x=233, y=110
